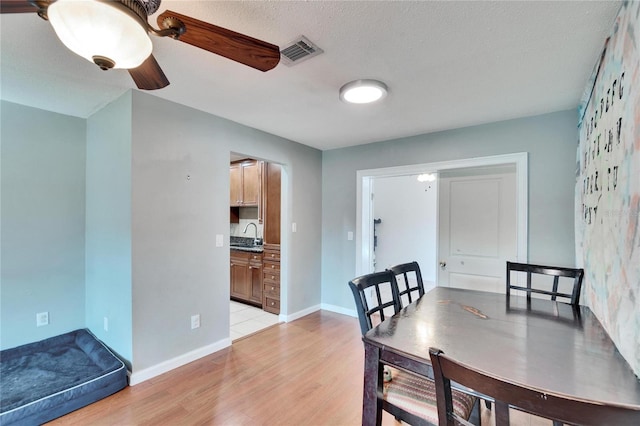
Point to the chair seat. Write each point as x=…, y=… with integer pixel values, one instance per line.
x=417, y=396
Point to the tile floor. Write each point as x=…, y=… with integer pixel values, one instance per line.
x=246, y=319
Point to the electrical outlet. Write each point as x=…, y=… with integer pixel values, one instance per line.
x=105, y=323
x=42, y=318
x=195, y=321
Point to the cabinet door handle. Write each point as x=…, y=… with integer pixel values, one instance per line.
x=273, y=277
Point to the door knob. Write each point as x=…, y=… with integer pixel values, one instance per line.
x=443, y=265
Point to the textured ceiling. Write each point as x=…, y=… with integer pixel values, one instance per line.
x=447, y=65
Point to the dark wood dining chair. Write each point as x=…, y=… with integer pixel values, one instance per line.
x=555, y=271
x=409, y=280
x=559, y=408
x=408, y=397
x=576, y=275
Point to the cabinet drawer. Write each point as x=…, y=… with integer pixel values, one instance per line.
x=272, y=290
x=255, y=261
x=272, y=255
x=272, y=266
x=239, y=256
x=272, y=277
x=271, y=305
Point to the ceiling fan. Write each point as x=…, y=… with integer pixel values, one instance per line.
x=115, y=34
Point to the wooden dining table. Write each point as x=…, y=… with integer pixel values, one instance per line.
x=552, y=346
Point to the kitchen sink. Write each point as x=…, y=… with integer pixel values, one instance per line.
x=241, y=242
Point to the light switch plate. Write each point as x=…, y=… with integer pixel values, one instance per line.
x=195, y=321
x=350, y=236
x=219, y=240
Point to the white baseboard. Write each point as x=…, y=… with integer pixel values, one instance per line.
x=299, y=314
x=168, y=365
x=339, y=310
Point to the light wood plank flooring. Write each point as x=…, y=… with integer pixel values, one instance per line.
x=306, y=372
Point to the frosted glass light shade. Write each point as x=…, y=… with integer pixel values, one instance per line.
x=94, y=28
x=363, y=91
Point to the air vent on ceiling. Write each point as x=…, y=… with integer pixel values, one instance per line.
x=299, y=50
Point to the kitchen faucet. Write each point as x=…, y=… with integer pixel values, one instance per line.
x=255, y=240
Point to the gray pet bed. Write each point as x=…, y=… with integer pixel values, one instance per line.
x=50, y=378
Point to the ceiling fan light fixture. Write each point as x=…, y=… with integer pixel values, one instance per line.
x=107, y=30
x=363, y=91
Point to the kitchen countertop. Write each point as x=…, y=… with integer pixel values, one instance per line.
x=255, y=249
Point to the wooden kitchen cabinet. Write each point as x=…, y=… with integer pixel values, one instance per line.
x=272, y=199
x=271, y=278
x=235, y=183
x=245, y=181
x=246, y=277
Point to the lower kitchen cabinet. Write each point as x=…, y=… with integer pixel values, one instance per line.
x=271, y=279
x=246, y=277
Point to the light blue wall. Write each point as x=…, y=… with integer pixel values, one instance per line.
x=550, y=140
x=150, y=256
x=42, y=214
x=180, y=193
x=108, y=226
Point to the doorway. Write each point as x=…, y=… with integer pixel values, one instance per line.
x=405, y=209
x=257, y=280
x=366, y=181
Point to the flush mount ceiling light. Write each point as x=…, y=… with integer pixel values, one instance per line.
x=109, y=34
x=363, y=91
x=427, y=177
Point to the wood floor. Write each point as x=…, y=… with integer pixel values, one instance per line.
x=306, y=372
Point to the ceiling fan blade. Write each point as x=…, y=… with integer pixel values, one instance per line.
x=238, y=47
x=17, y=6
x=149, y=75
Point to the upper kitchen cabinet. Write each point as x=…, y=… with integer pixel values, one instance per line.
x=272, y=200
x=246, y=183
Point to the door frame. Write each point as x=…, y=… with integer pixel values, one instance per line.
x=364, y=202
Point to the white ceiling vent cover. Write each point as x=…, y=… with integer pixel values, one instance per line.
x=299, y=50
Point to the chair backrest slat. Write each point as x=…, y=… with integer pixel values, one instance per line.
x=556, y=407
x=408, y=271
x=556, y=271
x=377, y=280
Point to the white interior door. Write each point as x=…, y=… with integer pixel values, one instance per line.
x=477, y=227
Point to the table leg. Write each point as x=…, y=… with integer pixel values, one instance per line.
x=371, y=410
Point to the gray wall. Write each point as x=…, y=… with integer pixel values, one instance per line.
x=176, y=270
x=549, y=139
x=150, y=232
x=108, y=226
x=180, y=201
x=42, y=214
